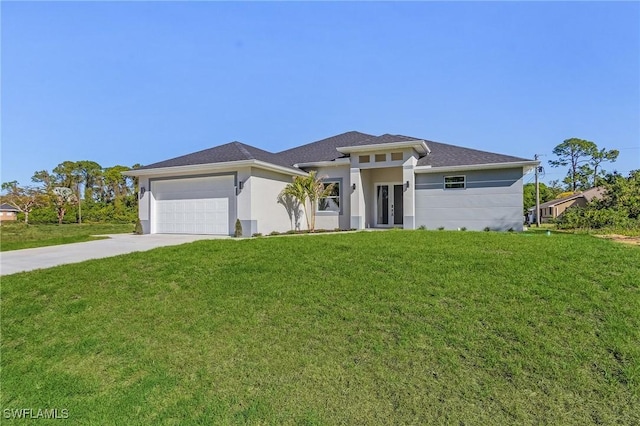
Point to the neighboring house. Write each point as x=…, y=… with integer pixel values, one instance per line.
x=555, y=208
x=380, y=181
x=8, y=213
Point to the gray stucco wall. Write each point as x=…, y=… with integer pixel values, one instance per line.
x=492, y=198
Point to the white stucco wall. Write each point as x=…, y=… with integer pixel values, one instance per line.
x=269, y=215
x=334, y=220
x=144, y=205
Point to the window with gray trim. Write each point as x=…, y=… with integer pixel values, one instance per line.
x=330, y=203
x=454, y=182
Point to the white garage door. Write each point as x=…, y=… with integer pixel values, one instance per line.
x=192, y=205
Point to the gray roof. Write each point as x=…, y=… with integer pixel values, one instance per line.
x=445, y=155
x=325, y=149
x=232, y=151
x=441, y=155
x=588, y=195
x=8, y=208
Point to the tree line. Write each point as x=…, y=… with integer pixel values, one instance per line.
x=584, y=160
x=74, y=191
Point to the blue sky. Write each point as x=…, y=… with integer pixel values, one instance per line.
x=140, y=82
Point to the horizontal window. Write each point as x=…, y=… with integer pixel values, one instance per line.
x=396, y=156
x=381, y=157
x=364, y=159
x=454, y=182
x=331, y=201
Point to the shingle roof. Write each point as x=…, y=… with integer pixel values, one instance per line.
x=589, y=194
x=8, y=208
x=441, y=155
x=325, y=149
x=445, y=155
x=232, y=151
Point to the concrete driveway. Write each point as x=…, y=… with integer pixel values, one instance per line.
x=15, y=261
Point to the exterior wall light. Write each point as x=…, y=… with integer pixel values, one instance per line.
x=353, y=186
x=407, y=184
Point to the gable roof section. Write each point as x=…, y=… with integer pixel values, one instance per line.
x=8, y=208
x=232, y=151
x=324, y=149
x=440, y=154
x=445, y=155
x=588, y=195
x=327, y=149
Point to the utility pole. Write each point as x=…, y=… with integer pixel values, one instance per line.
x=537, y=194
x=79, y=203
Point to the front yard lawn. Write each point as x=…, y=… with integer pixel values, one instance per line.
x=16, y=236
x=398, y=327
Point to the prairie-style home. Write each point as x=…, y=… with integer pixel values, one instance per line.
x=379, y=182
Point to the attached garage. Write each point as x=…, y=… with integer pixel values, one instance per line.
x=193, y=205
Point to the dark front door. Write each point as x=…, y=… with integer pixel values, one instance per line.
x=389, y=204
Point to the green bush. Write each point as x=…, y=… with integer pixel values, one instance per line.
x=238, y=230
x=593, y=218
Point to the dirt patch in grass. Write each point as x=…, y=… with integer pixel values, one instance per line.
x=622, y=238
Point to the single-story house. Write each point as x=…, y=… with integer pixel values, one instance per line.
x=8, y=213
x=379, y=182
x=555, y=208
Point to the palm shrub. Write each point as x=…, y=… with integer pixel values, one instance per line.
x=297, y=189
x=308, y=190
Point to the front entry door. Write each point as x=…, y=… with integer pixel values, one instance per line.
x=389, y=204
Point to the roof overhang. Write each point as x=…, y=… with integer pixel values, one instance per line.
x=228, y=165
x=331, y=163
x=526, y=165
x=419, y=145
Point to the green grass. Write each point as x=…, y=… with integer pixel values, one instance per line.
x=398, y=327
x=16, y=236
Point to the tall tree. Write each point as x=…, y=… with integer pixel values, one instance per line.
x=529, y=195
x=47, y=180
x=61, y=197
x=68, y=174
x=599, y=157
x=117, y=185
x=23, y=198
x=574, y=153
x=90, y=173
